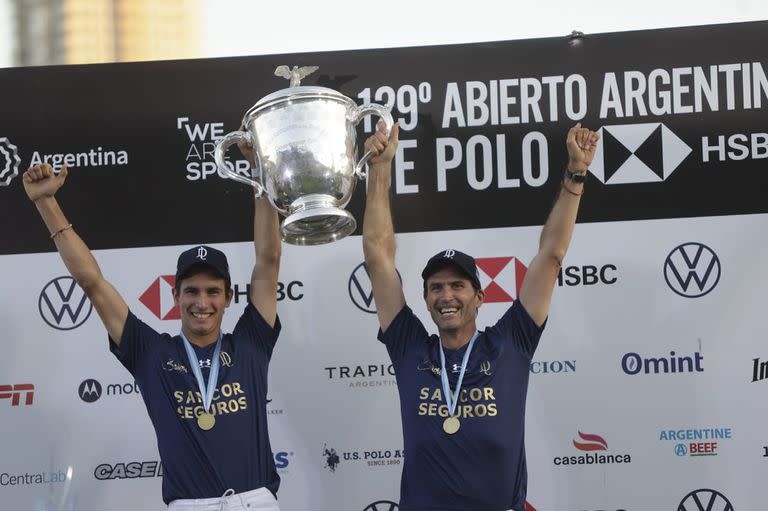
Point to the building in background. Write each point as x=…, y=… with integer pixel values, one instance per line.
x=92, y=31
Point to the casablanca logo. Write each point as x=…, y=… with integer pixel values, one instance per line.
x=331, y=458
x=590, y=443
x=501, y=278
x=158, y=298
x=637, y=153
x=9, y=161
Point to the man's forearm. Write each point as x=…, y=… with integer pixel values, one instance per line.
x=556, y=234
x=266, y=234
x=378, y=231
x=73, y=251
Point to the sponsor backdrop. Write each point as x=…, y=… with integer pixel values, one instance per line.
x=645, y=388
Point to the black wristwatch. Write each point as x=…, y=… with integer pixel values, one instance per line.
x=575, y=177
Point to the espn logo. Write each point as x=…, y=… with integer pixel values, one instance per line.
x=14, y=392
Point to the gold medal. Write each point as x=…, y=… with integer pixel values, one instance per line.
x=206, y=421
x=451, y=425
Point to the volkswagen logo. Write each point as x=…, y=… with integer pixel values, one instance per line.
x=63, y=304
x=705, y=500
x=692, y=270
x=382, y=505
x=361, y=290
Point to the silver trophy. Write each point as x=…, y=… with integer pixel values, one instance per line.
x=304, y=141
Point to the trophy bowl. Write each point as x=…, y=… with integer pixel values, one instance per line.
x=305, y=152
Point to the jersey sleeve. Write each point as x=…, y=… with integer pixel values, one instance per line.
x=253, y=326
x=402, y=333
x=136, y=343
x=517, y=326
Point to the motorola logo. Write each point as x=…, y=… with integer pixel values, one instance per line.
x=89, y=391
x=63, y=304
x=382, y=505
x=9, y=161
x=705, y=500
x=360, y=289
x=692, y=270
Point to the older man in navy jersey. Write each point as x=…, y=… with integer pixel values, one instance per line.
x=205, y=391
x=462, y=392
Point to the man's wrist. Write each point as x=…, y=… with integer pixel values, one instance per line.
x=577, y=167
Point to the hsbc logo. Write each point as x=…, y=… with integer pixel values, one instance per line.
x=89, y=391
x=158, y=298
x=16, y=391
x=705, y=500
x=692, y=270
x=587, y=275
x=9, y=161
x=501, y=278
x=63, y=304
x=637, y=153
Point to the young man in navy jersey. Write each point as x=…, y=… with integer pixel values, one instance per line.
x=462, y=392
x=205, y=391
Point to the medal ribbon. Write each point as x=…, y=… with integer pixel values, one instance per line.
x=449, y=399
x=205, y=391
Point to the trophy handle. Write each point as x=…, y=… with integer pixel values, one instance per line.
x=232, y=138
x=358, y=116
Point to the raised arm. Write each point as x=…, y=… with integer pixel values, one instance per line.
x=378, y=232
x=41, y=185
x=539, y=282
x=267, y=244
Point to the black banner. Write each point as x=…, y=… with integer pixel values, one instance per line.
x=682, y=114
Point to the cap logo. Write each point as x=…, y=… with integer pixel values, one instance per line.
x=202, y=253
x=449, y=253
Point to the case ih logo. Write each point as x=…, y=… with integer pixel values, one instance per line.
x=14, y=393
x=501, y=278
x=158, y=298
x=9, y=161
x=637, y=153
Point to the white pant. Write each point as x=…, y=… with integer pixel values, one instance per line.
x=260, y=499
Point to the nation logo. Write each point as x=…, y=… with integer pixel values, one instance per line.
x=158, y=298
x=501, y=278
x=9, y=161
x=637, y=153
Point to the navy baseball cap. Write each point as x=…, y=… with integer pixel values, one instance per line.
x=465, y=263
x=203, y=255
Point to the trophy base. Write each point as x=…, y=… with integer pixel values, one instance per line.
x=316, y=222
